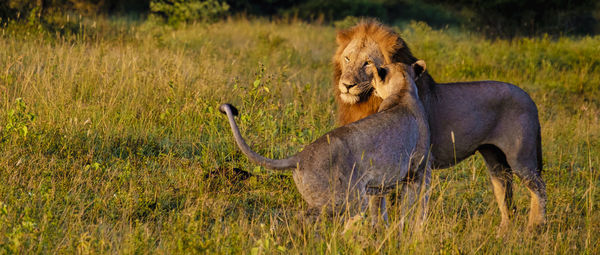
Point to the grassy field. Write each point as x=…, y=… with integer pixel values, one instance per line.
x=111, y=142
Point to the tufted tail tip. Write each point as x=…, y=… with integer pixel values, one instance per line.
x=225, y=106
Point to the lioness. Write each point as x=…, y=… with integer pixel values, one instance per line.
x=497, y=119
x=364, y=158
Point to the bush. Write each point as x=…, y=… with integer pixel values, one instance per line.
x=17, y=122
x=13, y=9
x=25, y=9
x=178, y=11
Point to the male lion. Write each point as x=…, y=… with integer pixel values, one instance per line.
x=364, y=158
x=497, y=119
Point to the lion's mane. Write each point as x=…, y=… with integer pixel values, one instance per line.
x=393, y=48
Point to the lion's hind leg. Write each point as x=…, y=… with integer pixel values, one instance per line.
x=537, y=216
x=537, y=189
x=501, y=177
x=526, y=167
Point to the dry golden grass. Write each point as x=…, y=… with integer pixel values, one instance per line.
x=116, y=145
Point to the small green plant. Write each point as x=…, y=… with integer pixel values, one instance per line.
x=258, y=95
x=18, y=121
x=267, y=243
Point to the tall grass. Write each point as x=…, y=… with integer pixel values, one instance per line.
x=111, y=140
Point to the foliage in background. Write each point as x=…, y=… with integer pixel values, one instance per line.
x=9, y=8
x=495, y=18
x=390, y=11
x=507, y=18
x=178, y=11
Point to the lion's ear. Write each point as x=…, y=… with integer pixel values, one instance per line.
x=419, y=67
x=343, y=37
x=381, y=74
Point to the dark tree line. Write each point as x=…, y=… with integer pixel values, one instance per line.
x=505, y=18
x=529, y=17
x=18, y=8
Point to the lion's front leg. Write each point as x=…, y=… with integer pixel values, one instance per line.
x=424, y=192
x=377, y=209
x=414, y=190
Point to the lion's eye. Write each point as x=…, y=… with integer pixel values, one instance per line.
x=366, y=63
x=347, y=59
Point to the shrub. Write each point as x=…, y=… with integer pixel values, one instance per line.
x=18, y=121
x=178, y=11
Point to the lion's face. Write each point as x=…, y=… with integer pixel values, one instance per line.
x=393, y=78
x=355, y=79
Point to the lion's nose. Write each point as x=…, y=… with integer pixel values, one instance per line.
x=349, y=86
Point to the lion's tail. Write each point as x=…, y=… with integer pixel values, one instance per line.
x=279, y=164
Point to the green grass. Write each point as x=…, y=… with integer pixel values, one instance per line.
x=116, y=144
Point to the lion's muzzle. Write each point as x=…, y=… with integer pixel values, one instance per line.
x=352, y=94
